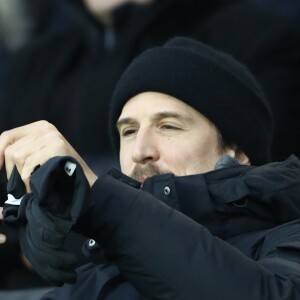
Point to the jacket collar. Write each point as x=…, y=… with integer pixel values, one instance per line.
x=234, y=200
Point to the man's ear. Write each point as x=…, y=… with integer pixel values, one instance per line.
x=239, y=155
x=242, y=157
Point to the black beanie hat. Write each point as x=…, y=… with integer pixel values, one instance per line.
x=211, y=82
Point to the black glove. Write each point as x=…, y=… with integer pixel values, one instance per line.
x=58, y=198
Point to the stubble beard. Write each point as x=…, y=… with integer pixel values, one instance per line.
x=142, y=172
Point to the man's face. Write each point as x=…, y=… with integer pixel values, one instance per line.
x=161, y=134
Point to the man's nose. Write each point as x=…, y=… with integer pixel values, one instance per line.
x=145, y=148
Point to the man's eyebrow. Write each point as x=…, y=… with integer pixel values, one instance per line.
x=157, y=117
x=126, y=121
x=171, y=114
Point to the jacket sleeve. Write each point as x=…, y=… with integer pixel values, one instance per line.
x=167, y=255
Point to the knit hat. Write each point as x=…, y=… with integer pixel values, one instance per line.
x=211, y=82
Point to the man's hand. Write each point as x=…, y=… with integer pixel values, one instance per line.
x=2, y=236
x=32, y=145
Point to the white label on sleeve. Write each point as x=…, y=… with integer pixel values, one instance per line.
x=12, y=200
x=70, y=168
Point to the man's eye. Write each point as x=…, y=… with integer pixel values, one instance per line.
x=169, y=127
x=128, y=132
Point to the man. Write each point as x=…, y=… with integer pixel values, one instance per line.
x=195, y=220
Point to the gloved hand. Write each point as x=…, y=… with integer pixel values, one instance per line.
x=58, y=198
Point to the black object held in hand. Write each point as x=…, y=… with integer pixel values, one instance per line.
x=58, y=198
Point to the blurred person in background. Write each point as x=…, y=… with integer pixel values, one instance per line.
x=287, y=8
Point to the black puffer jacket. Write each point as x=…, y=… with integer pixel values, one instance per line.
x=235, y=234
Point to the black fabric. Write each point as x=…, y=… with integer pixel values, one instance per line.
x=68, y=77
x=216, y=247
x=210, y=81
x=101, y=282
x=15, y=215
x=56, y=202
x=14, y=274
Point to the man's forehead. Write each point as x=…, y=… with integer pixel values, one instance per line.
x=155, y=106
x=154, y=102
